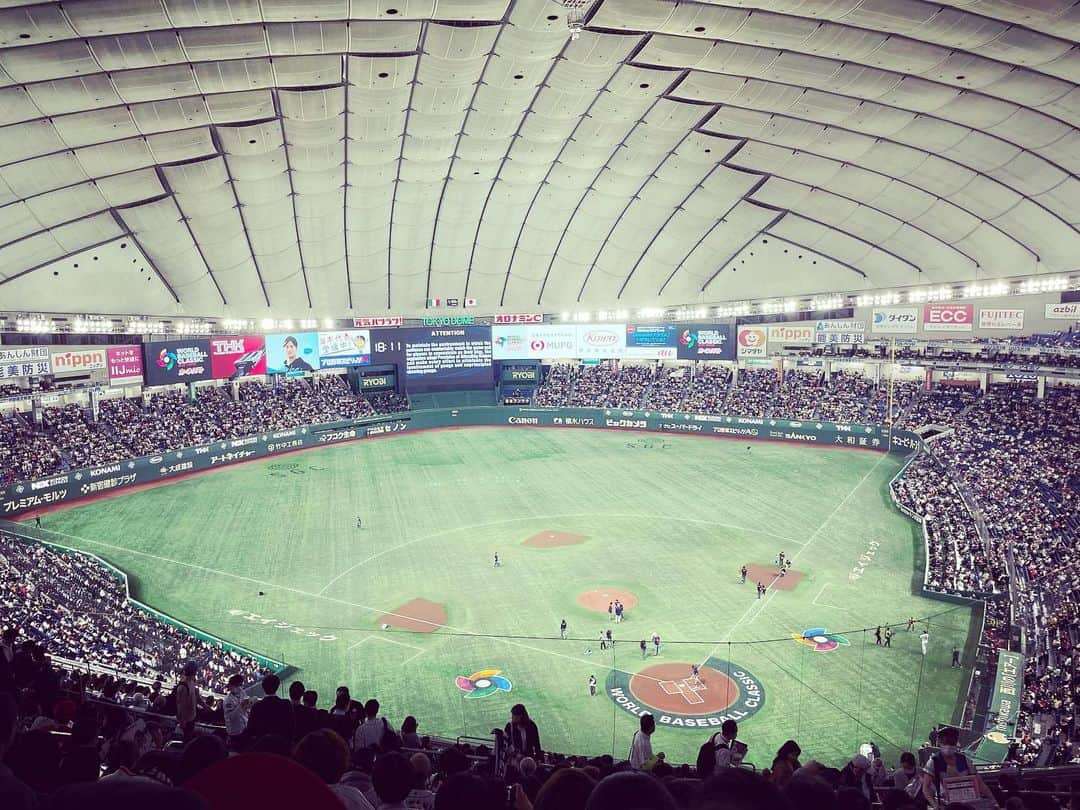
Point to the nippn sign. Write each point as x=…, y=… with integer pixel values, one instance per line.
x=73, y=360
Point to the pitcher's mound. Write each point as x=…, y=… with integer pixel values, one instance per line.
x=767, y=576
x=600, y=598
x=417, y=616
x=548, y=539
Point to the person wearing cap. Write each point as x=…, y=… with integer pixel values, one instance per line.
x=856, y=774
x=187, y=699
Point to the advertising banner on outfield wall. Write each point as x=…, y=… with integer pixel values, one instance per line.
x=753, y=342
x=1001, y=319
x=235, y=356
x=125, y=364
x=651, y=341
x=948, y=317
x=24, y=361
x=842, y=332
x=602, y=341
x=345, y=348
x=1063, y=312
x=292, y=353
x=895, y=320
x=77, y=359
x=791, y=334
x=714, y=341
x=73, y=485
x=176, y=361
x=533, y=341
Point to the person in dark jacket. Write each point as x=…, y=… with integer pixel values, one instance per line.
x=522, y=735
x=271, y=715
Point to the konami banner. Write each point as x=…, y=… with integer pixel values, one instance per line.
x=235, y=356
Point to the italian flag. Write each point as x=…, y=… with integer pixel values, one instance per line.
x=433, y=303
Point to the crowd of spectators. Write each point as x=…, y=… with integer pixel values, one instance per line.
x=69, y=740
x=797, y=395
x=957, y=560
x=71, y=606
x=69, y=438
x=751, y=393
x=1018, y=459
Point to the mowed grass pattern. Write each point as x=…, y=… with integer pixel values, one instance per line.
x=669, y=518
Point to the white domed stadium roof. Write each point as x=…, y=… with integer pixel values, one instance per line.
x=333, y=156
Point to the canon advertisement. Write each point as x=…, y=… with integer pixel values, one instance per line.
x=235, y=356
x=177, y=361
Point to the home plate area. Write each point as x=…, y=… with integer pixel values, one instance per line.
x=674, y=688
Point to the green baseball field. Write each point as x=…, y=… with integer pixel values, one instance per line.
x=409, y=607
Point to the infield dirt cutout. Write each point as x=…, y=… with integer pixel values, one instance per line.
x=671, y=688
x=550, y=539
x=767, y=576
x=417, y=616
x=600, y=598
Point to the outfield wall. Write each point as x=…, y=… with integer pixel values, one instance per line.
x=73, y=485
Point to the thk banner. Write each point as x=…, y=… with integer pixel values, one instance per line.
x=237, y=356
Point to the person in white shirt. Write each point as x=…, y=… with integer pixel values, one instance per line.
x=727, y=753
x=369, y=733
x=237, y=708
x=925, y=639
x=641, y=746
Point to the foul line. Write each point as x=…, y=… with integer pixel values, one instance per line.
x=489, y=524
x=419, y=650
x=822, y=604
x=795, y=556
x=332, y=599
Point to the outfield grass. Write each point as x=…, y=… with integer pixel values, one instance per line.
x=668, y=518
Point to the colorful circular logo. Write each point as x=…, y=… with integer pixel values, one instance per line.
x=688, y=338
x=166, y=360
x=751, y=338
x=821, y=640
x=678, y=696
x=483, y=683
